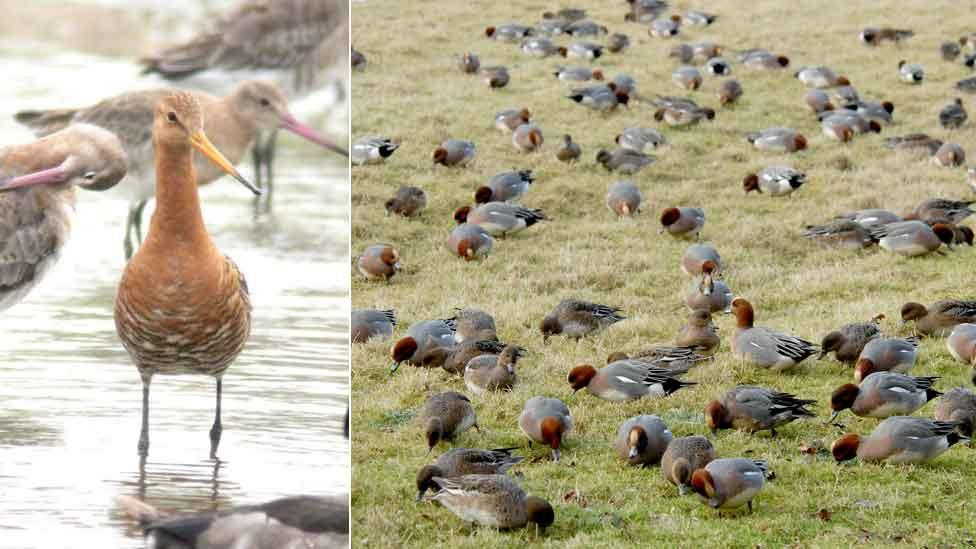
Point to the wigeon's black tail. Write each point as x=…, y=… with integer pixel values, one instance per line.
x=955, y=437
x=931, y=394
x=578, y=97
x=672, y=384
x=763, y=466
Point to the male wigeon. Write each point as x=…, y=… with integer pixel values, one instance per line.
x=617, y=42
x=899, y=439
x=665, y=27
x=505, y=187
x=577, y=74
x=626, y=380
x=458, y=462
x=623, y=198
x=939, y=318
x=820, y=77
x=623, y=160
x=695, y=256
x=445, y=416
x=840, y=233
x=708, y=292
x=372, y=150
x=527, y=138
x=425, y=344
x=547, y=421
x=967, y=85
x=687, y=77
x=463, y=352
x=500, y=218
x=912, y=238
x=717, y=66
x=949, y=155
x=492, y=500
x=626, y=84
x=684, y=456
x=962, y=343
x=761, y=59
x=848, y=342
x=886, y=354
x=575, y=318
x=642, y=440
x=468, y=63
x=379, y=262
x=699, y=334
x=818, y=101
x=492, y=373
x=508, y=120
x=942, y=209
x=645, y=11
x=958, y=406
x=676, y=116
x=698, y=18
x=603, y=98
x=407, y=201
x=765, y=347
x=584, y=50
x=675, y=359
x=568, y=151
x=585, y=28
x=683, y=222
x=729, y=92
x=753, y=409
x=643, y=140
x=495, y=76
x=469, y=241
x=542, y=47
x=874, y=36
x=684, y=53
x=473, y=324
x=833, y=122
x=454, y=152
x=508, y=32
x=871, y=217
x=730, y=483
x=367, y=324
x=777, y=140
x=912, y=73
x=953, y=115
x=883, y=394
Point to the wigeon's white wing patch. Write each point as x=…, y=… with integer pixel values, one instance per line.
x=756, y=345
x=752, y=474
x=625, y=379
x=901, y=390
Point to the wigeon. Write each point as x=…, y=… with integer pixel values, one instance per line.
x=695, y=256
x=584, y=50
x=883, y=394
x=372, y=150
x=913, y=142
x=454, y=152
x=752, y=409
x=848, y=342
x=775, y=180
x=626, y=380
x=509, y=32
x=818, y=101
x=939, y=318
x=962, y=343
x=623, y=198
x=886, y=354
x=500, y=218
x=871, y=217
x=952, y=211
x=967, y=85
x=687, y=77
x=379, y=262
x=953, y=115
x=874, y=36
x=899, y=439
x=527, y=138
x=949, y=155
x=469, y=241
x=684, y=456
x=642, y=440
x=730, y=483
x=458, y=462
x=575, y=319
x=820, y=77
x=840, y=233
x=604, y=98
x=645, y=11
x=665, y=27
x=912, y=73
x=912, y=238
x=463, y=352
x=583, y=29
x=426, y=344
x=445, y=416
x=765, y=347
x=679, y=117
x=617, y=42
x=495, y=76
x=492, y=373
x=505, y=187
x=698, y=18
x=577, y=74
x=683, y=222
x=367, y=324
x=468, y=63
x=949, y=51
x=473, y=324
x=729, y=92
x=708, y=292
x=569, y=151
x=623, y=160
x=547, y=421
x=699, y=334
x=642, y=140
x=492, y=500
x=508, y=120
x=542, y=47
x=765, y=60
x=407, y=201
x=959, y=407
x=684, y=53
x=777, y=140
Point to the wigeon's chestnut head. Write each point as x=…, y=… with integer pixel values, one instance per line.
x=845, y=135
x=702, y=483
x=562, y=51
x=580, y=376
x=783, y=61
x=440, y=155
x=552, y=434
x=390, y=257
x=535, y=137
x=845, y=448
x=461, y=214
x=801, y=142
x=525, y=115
x=612, y=86
x=637, y=441
x=401, y=351
x=620, y=355
x=831, y=342
x=843, y=81
x=828, y=107
x=670, y=216
x=888, y=106
x=717, y=417
x=539, y=511
x=598, y=75
x=843, y=398
x=483, y=195
x=874, y=126
x=489, y=32
x=744, y=313
x=425, y=480
x=912, y=311
x=709, y=267
x=751, y=183
x=676, y=18
x=466, y=249
x=863, y=368
x=945, y=233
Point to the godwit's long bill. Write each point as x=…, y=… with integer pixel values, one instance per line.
x=234, y=122
x=37, y=199
x=182, y=307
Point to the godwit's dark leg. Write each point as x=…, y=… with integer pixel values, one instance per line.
x=144, y=435
x=269, y=154
x=257, y=156
x=217, y=428
x=140, y=207
x=130, y=224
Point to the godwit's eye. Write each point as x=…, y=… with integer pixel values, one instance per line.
x=265, y=102
x=171, y=116
x=89, y=176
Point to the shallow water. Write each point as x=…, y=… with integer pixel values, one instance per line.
x=70, y=398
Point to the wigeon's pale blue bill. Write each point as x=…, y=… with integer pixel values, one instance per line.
x=291, y=124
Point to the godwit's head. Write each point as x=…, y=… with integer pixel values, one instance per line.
x=265, y=105
x=81, y=154
x=179, y=124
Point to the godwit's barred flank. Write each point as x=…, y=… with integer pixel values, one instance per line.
x=253, y=110
x=37, y=199
x=182, y=307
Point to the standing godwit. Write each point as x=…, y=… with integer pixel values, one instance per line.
x=182, y=306
x=254, y=109
x=37, y=199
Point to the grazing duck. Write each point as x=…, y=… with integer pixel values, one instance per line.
x=445, y=416
x=370, y=324
x=962, y=343
x=505, y=187
x=820, y=77
x=899, y=439
x=684, y=456
x=469, y=241
x=949, y=51
x=490, y=373
x=953, y=115
x=407, y=201
x=469, y=349
x=542, y=47
x=883, y=394
x=873, y=36
x=665, y=28
x=681, y=116
x=582, y=29
x=776, y=180
x=473, y=324
x=709, y=293
x=492, y=500
x=372, y=150
x=468, y=63
x=642, y=440
x=626, y=380
x=527, y=138
x=913, y=142
x=694, y=258
x=623, y=160
x=765, y=61
x=753, y=409
x=623, y=198
x=871, y=217
x=683, y=222
x=937, y=209
x=575, y=319
x=568, y=151
x=500, y=218
x=577, y=74
x=603, y=98
x=509, y=32
x=766, y=347
x=959, y=407
x=730, y=483
x=840, y=233
x=642, y=140
x=729, y=92
x=912, y=73
x=699, y=334
x=454, y=152
x=884, y=354
x=687, y=77
x=818, y=101
x=967, y=85
x=848, y=342
x=617, y=42
x=949, y=155
x=939, y=318
x=584, y=50
x=547, y=421
x=379, y=262
x=426, y=344
x=912, y=238
x=777, y=140
x=458, y=462
x=508, y=120
x=495, y=76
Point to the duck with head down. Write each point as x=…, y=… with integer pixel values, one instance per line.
x=547, y=421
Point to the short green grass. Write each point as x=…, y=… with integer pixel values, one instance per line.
x=412, y=91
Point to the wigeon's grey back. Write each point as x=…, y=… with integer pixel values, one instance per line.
x=891, y=354
x=370, y=323
x=737, y=481
x=536, y=409
x=649, y=447
x=696, y=255
x=769, y=348
x=623, y=198
x=643, y=140
x=840, y=233
x=907, y=439
x=885, y=394
x=962, y=343
x=435, y=340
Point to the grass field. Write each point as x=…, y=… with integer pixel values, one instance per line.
x=412, y=91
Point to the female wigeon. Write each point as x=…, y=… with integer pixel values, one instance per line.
x=958, y=406
x=527, y=138
x=495, y=77
x=623, y=198
x=492, y=500
x=699, y=334
x=899, y=439
x=372, y=150
x=547, y=421
x=765, y=347
x=752, y=409
x=848, y=342
x=962, y=343
x=939, y=318
x=575, y=319
x=379, y=262
x=603, y=98
x=820, y=77
x=730, y=483
x=764, y=60
x=492, y=373
x=709, y=293
x=695, y=256
x=505, y=187
x=840, y=233
x=886, y=354
x=642, y=440
x=568, y=151
x=623, y=160
x=676, y=116
x=507, y=120
x=883, y=394
x=729, y=92
x=683, y=222
x=913, y=142
x=684, y=456
x=942, y=209
x=408, y=201
x=777, y=140
x=949, y=51
x=458, y=462
x=473, y=324
x=425, y=344
x=369, y=324
x=675, y=359
x=445, y=416
x=874, y=36
x=500, y=218
x=468, y=63
x=912, y=238
x=625, y=380
x=469, y=241
x=454, y=152
x=912, y=73
x=643, y=140
x=464, y=352
x=687, y=77
x=953, y=115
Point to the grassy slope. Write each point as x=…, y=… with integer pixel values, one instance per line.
x=412, y=91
